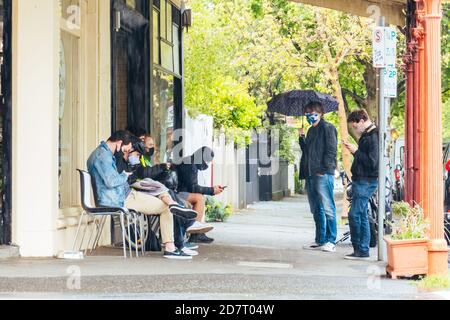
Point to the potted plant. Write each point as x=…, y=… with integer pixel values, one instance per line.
x=407, y=245
x=217, y=211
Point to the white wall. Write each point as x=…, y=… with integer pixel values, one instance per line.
x=199, y=133
x=224, y=170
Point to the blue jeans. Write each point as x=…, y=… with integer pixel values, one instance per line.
x=358, y=218
x=180, y=226
x=321, y=202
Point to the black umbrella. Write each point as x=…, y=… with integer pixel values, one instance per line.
x=293, y=103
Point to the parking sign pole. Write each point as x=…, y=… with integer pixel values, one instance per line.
x=382, y=116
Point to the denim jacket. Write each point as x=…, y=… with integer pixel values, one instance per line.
x=112, y=188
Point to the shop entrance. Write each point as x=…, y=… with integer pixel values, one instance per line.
x=5, y=122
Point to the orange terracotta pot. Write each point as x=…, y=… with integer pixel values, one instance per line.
x=407, y=258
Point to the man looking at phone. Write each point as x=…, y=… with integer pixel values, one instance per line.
x=365, y=181
x=318, y=164
x=192, y=192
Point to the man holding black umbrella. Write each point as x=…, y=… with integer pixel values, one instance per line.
x=317, y=167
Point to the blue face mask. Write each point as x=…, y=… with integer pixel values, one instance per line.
x=134, y=160
x=312, y=118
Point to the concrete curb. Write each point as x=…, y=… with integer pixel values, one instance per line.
x=7, y=252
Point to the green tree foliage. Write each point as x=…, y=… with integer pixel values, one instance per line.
x=240, y=53
x=211, y=85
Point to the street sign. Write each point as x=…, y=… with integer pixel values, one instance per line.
x=384, y=42
x=390, y=43
x=379, y=56
x=390, y=78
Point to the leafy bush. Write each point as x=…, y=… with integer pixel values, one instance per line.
x=409, y=223
x=297, y=182
x=217, y=211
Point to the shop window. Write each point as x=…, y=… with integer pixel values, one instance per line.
x=155, y=42
x=163, y=115
x=70, y=110
x=166, y=37
x=176, y=50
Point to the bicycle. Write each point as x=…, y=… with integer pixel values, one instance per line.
x=373, y=211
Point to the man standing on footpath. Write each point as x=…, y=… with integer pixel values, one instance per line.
x=318, y=164
x=365, y=181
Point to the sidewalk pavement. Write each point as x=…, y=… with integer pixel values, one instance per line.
x=257, y=255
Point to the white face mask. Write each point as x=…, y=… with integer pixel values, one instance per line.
x=134, y=160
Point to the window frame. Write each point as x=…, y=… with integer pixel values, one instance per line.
x=78, y=114
x=169, y=11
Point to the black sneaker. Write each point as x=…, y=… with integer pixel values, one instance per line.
x=200, y=238
x=182, y=212
x=357, y=256
x=177, y=255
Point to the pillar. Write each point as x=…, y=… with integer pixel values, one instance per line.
x=434, y=195
x=409, y=139
x=419, y=36
x=35, y=86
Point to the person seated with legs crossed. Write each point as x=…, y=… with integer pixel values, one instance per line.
x=113, y=189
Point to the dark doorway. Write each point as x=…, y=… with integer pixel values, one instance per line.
x=130, y=64
x=130, y=68
x=6, y=121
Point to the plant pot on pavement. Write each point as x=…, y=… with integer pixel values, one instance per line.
x=407, y=246
x=406, y=258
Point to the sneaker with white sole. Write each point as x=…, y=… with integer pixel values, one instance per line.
x=329, y=247
x=199, y=227
x=182, y=212
x=191, y=245
x=177, y=255
x=312, y=246
x=189, y=252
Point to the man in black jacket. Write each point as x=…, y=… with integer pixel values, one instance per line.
x=318, y=164
x=191, y=191
x=365, y=181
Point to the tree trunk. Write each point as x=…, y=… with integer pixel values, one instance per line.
x=346, y=156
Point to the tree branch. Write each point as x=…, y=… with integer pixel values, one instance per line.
x=362, y=102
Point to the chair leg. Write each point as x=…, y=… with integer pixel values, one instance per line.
x=84, y=232
x=136, y=233
x=78, y=231
x=122, y=225
x=94, y=226
x=99, y=234
x=141, y=225
x=129, y=236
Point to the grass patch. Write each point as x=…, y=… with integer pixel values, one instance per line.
x=434, y=282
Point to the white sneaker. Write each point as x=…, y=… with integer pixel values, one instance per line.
x=189, y=252
x=199, y=227
x=329, y=247
x=312, y=246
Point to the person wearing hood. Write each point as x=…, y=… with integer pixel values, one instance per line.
x=190, y=190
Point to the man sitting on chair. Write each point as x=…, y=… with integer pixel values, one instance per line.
x=113, y=189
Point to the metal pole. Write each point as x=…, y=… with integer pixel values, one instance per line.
x=382, y=116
